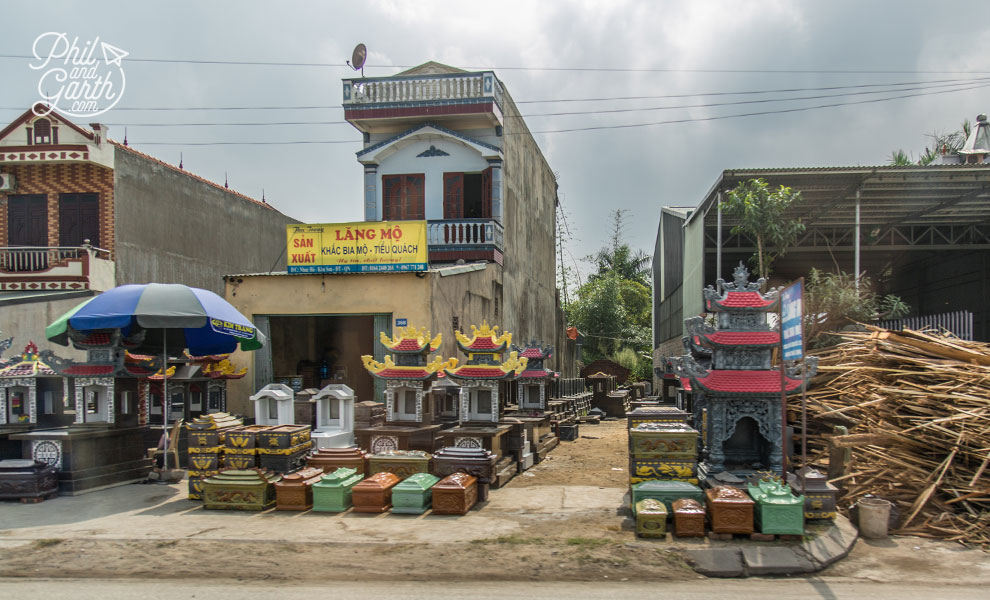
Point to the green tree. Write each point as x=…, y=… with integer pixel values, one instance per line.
x=835, y=300
x=762, y=215
x=941, y=143
x=618, y=258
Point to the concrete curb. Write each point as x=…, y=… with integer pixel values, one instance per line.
x=745, y=559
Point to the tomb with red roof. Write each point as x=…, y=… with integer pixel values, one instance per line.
x=737, y=393
x=532, y=393
x=410, y=420
x=483, y=380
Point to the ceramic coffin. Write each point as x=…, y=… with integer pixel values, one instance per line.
x=374, y=494
x=331, y=459
x=413, y=495
x=240, y=489
x=666, y=491
x=778, y=511
x=402, y=463
x=651, y=518
x=27, y=480
x=332, y=493
x=455, y=494
x=730, y=509
x=689, y=518
x=295, y=492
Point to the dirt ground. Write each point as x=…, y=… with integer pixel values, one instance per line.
x=564, y=520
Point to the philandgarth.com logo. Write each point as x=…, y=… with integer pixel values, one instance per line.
x=73, y=80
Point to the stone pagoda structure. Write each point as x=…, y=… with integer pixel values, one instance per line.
x=737, y=398
x=408, y=380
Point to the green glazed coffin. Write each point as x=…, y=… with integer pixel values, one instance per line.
x=651, y=518
x=332, y=493
x=778, y=511
x=665, y=491
x=402, y=463
x=413, y=496
x=663, y=440
x=240, y=489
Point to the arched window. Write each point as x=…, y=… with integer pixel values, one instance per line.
x=42, y=131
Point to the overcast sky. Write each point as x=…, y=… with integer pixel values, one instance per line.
x=693, y=47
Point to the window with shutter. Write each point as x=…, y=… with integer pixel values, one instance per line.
x=78, y=219
x=42, y=131
x=403, y=197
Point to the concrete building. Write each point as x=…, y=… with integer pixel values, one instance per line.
x=80, y=213
x=919, y=232
x=449, y=147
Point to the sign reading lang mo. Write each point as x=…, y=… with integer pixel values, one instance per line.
x=366, y=247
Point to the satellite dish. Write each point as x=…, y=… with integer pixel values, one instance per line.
x=358, y=57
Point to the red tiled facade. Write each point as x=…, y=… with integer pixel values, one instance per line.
x=63, y=178
x=741, y=300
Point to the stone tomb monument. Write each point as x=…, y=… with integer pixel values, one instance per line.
x=274, y=405
x=738, y=397
x=408, y=380
x=334, y=417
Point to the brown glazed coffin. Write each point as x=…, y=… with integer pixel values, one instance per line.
x=374, y=494
x=331, y=459
x=401, y=462
x=730, y=509
x=689, y=518
x=455, y=494
x=295, y=492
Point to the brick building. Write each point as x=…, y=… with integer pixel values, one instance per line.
x=80, y=213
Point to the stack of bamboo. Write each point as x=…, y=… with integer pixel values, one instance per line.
x=917, y=408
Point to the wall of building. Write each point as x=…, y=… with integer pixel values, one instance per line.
x=469, y=296
x=26, y=322
x=63, y=178
x=173, y=227
x=529, y=294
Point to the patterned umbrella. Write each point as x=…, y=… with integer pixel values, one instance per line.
x=173, y=317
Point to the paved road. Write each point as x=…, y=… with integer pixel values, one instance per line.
x=700, y=589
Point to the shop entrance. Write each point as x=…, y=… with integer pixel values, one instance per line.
x=310, y=351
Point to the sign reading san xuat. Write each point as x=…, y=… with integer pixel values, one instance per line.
x=791, y=326
x=366, y=247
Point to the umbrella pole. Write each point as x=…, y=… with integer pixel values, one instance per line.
x=165, y=404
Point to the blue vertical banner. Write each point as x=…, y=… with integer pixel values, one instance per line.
x=791, y=321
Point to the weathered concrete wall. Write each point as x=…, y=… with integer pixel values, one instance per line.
x=470, y=298
x=529, y=196
x=26, y=322
x=175, y=228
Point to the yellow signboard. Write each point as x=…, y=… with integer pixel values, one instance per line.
x=365, y=247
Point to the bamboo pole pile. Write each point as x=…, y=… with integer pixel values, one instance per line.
x=917, y=408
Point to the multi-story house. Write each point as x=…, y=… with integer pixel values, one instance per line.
x=449, y=147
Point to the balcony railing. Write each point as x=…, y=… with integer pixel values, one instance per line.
x=55, y=268
x=465, y=233
x=423, y=88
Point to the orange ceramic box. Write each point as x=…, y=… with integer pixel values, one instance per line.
x=455, y=494
x=374, y=494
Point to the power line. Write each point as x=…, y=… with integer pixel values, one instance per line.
x=582, y=112
x=263, y=63
x=563, y=100
x=601, y=127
